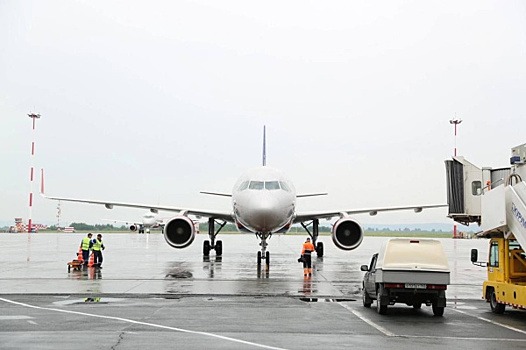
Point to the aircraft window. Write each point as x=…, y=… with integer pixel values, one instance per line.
x=271, y=185
x=284, y=186
x=243, y=186
x=256, y=185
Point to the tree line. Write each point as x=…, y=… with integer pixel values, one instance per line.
x=203, y=227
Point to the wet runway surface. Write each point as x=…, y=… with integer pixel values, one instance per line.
x=148, y=293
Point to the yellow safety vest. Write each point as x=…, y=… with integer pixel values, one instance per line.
x=97, y=244
x=85, y=243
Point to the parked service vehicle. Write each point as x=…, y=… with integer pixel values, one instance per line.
x=411, y=271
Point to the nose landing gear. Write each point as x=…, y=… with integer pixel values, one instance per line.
x=263, y=254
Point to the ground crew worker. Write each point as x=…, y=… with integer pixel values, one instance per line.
x=85, y=246
x=98, y=247
x=306, y=252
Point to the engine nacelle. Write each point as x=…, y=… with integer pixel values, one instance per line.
x=179, y=232
x=347, y=234
x=133, y=228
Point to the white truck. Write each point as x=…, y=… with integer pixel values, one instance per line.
x=412, y=271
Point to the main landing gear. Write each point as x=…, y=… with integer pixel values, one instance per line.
x=212, y=244
x=314, y=236
x=263, y=254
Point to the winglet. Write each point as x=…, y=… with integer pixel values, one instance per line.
x=264, y=146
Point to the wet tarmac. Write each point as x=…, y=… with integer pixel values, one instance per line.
x=148, y=293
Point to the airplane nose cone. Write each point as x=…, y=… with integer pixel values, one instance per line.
x=267, y=215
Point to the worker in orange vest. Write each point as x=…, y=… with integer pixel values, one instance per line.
x=306, y=252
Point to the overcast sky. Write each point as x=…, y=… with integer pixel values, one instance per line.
x=152, y=102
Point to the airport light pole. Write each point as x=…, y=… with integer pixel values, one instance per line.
x=455, y=122
x=34, y=117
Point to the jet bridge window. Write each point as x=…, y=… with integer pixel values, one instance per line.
x=476, y=188
x=271, y=185
x=256, y=185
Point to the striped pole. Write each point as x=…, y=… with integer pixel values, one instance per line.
x=34, y=117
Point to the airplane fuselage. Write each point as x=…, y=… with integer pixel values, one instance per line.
x=263, y=201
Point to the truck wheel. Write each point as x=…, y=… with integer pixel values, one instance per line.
x=381, y=309
x=367, y=301
x=496, y=307
x=417, y=305
x=438, y=310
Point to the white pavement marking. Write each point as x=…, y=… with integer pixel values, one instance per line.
x=492, y=322
x=15, y=317
x=369, y=322
x=144, y=324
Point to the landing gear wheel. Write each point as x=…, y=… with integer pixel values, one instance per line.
x=381, y=309
x=496, y=307
x=367, y=301
x=267, y=258
x=206, y=248
x=319, y=249
x=259, y=259
x=438, y=310
x=219, y=248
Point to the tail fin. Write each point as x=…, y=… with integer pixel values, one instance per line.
x=264, y=146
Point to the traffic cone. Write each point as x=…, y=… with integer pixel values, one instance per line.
x=91, y=260
x=79, y=256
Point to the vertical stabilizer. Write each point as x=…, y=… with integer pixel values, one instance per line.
x=264, y=146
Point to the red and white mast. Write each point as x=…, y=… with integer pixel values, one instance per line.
x=34, y=117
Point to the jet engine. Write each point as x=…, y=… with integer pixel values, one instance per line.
x=133, y=228
x=347, y=234
x=179, y=232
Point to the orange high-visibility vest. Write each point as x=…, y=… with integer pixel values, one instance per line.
x=307, y=246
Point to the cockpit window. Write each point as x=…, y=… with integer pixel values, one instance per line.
x=256, y=185
x=284, y=186
x=243, y=186
x=271, y=185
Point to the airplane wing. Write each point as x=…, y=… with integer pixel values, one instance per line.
x=226, y=216
x=123, y=222
x=301, y=217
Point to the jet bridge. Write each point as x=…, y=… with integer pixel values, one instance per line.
x=466, y=184
x=493, y=198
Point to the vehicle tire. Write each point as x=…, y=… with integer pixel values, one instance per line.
x=438, y=310
x=267, y=258
x=381, y=309
x=206, y=248
x=319, y=249
x=417, y=306
x=259, y=259
x=219, y=248
x=366, y=299
x=496, y=307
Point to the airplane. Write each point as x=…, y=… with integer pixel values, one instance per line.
x=263, y=203
x=147, y=222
